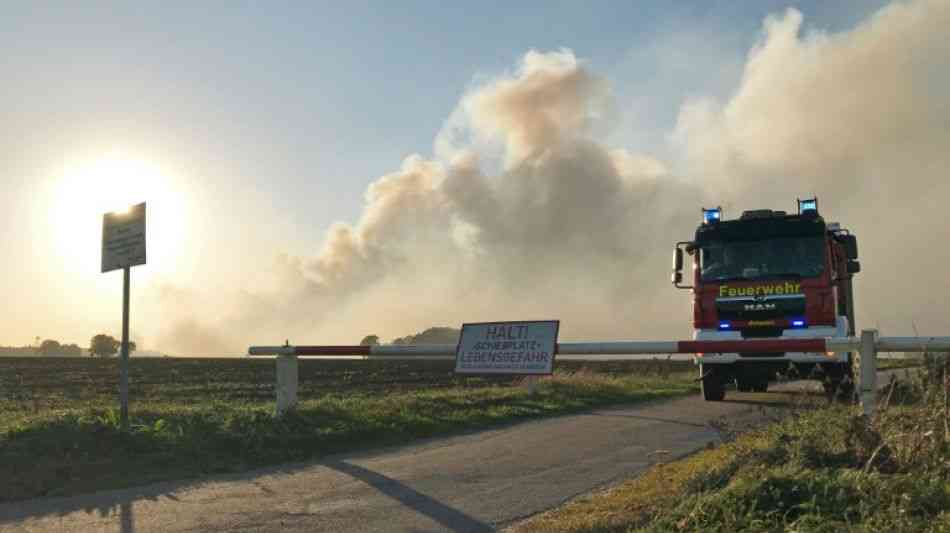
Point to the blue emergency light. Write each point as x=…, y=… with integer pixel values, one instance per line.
x=809, y=204
x=798, y=323
x=712, y=215
x=724, y=325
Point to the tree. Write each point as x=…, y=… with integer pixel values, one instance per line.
x=370, y=340
x=435, y=335
x=71, y=350
x=106, y=345
x=103, y=345
x=50, y=347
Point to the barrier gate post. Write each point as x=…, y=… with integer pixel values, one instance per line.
x=868, y=371
x=286, y=383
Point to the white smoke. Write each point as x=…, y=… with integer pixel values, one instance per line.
x=526, y=213
x=860, y=118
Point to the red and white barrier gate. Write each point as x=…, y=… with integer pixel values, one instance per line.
x=868, y=345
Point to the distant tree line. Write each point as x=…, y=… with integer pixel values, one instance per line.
x=435, y=335
x=101, y=345
x=17, y=350
x=53, y=347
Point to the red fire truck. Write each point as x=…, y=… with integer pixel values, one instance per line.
x=769, y=274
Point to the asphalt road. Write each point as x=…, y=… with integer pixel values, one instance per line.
x=474, y=482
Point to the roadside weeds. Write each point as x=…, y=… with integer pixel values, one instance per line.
x=811, y=469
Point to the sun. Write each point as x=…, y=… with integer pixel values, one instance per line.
x=81, y=195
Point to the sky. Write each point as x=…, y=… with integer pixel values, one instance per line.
x=262, y=136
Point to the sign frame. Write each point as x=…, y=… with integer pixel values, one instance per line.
x=507, y=372
x=133, y=250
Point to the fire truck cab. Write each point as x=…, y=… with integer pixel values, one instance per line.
x=767, y=275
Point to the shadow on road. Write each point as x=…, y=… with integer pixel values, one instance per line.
x=450, y=518
x=784, y=399
x=121, y=505
x=127, y=518
x=124, y=508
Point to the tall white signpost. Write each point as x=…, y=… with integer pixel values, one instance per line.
x=123, y=246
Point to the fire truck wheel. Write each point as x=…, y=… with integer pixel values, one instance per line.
x=744, y=385
x=841, y=390
x=830, y=388
x=713, y=389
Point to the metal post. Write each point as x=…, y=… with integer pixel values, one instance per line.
x=124, y=358
x=868, y=371
x=286, y=383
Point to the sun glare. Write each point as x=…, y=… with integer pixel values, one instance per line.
x=84, y=193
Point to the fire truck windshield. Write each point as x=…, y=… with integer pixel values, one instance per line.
x=791, y=257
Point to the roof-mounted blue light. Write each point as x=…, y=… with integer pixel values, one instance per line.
x=725, y=325
x=798, y=323
x=712, y=215
x=809, y=204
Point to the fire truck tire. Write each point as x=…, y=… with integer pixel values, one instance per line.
x=840, y=385
x=830, y=387
x=744, y=385
x=713, y=388
x=838, y=389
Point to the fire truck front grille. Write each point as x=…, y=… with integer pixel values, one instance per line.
x=762, y=308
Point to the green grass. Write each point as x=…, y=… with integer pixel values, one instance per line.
x=891, y=364
x=815, y=469
x=68, y=446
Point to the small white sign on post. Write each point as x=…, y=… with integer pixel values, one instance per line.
x=123, y=238
x=507, y=348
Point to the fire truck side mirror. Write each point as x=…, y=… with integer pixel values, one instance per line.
x=854, y=267
x=677, y=277
x=850, y=246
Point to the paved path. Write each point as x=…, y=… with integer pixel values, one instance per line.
x=473, y=482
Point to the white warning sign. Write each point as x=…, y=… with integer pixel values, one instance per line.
x=123, y=238
x=507, y=348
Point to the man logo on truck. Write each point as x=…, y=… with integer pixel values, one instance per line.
x=760, y=307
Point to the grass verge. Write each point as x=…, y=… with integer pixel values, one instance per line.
x=69, y=451
x=822, y=469
x=892, y=364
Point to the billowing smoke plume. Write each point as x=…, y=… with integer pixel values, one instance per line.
x=526, y=213
x=565, y=228
x=862, y=119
